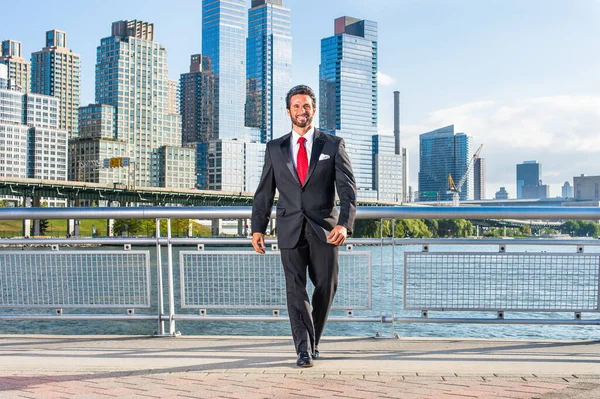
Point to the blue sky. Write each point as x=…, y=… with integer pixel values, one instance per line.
x=521, y=77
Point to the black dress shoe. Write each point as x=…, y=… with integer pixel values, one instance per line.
x=316, y=354
x=304, y=360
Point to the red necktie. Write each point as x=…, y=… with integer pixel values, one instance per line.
x=302, y=160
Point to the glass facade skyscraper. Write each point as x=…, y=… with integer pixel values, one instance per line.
x=529, y=173
x=56, y=71
x=348, y=94
x=224, y=44
x=268, y=68
x=441, y=152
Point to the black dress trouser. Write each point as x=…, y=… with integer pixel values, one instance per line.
x=321, y=260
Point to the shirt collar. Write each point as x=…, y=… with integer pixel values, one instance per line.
x=308, y=136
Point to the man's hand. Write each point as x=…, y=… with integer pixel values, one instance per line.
x=338, y=235
x=258, y=242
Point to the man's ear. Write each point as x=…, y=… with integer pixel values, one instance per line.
x=287, y=110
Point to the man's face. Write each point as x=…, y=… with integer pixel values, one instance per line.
x=301, y=110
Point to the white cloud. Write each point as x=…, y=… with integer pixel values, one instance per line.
x=385, y=80
x=561, y=133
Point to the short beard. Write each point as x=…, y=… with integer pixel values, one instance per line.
x=302, y=125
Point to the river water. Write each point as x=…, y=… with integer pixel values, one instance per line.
x=382, y=287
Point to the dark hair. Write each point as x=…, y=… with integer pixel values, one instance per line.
x=300, y=89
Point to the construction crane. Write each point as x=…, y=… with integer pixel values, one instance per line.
x=455, y=189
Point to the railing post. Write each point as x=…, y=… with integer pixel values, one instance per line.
x=160, y=302
x=170, y=277
x=393, y=278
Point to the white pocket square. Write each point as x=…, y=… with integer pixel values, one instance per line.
x=323, y=157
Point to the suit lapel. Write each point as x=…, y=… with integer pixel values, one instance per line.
x=318, y=144
x=287, y=156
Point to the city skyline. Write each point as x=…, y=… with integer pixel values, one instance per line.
x=518, y=77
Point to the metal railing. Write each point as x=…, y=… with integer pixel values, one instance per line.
x=85, y=277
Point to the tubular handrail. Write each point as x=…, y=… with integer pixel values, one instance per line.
x=363, y=212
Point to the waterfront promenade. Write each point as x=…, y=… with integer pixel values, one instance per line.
x=49, y=366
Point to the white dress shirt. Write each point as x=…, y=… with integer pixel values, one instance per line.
x=309, y=136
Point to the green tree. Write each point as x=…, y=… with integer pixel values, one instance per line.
x=433, y=226
x=588, y=229
x=130, y=227
x=367, y=228
x=580, y=228
x=415, y=228
x=149, y=227
x=524, y=230
x=454, y=228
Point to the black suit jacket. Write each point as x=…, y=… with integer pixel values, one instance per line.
x=329, y=169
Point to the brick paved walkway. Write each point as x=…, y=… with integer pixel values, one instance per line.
x=262, y=367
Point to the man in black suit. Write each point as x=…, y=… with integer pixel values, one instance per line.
x=309, y=227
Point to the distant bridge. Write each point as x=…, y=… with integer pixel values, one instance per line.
x=77, y=191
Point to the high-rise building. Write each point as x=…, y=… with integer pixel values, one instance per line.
x=586, y=188
x=529, y=173
x=348, y=94
x=443, y=153
x=19, y=70
x=567, y=190
x=224, y=44
x=131, y=118
x=479, y=179
x=31, y=143
x=268, y=68
x=199, y=115
x=213, y=94
x=56, y=71
x=387, y=169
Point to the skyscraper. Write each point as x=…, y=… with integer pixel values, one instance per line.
x=56, y=71
x=19, y=69
x=224, y=44
x=529, y=181
x=199, y=115
x=348, y=94
x=198, y=108
x=443, y=153
x=479, y=179
x=130, y=118
x=213, y=96
x=268, y=68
